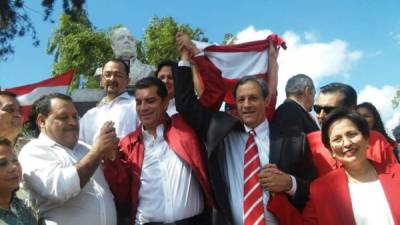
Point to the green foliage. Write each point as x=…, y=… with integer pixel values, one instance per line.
x=159, y=40
x=15, y=22
x=229, y=39
x=76, y=44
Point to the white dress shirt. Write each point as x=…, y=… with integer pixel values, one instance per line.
x=235, y=143
x=169, y=190
x=121, y=110
x=171, y=110
x=369, y=203
x=53, y=186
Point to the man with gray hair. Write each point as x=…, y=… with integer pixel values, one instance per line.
x=124, y=47
x=294, y=113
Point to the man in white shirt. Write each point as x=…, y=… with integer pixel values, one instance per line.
x=62, y=176
x=117, y=106
x=160, y=176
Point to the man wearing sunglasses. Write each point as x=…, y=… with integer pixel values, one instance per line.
x=339, y=95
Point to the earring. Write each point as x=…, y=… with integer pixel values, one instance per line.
x=333, y=155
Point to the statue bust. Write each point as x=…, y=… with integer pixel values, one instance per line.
x=123, y=45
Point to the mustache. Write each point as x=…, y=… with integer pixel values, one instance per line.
x=111, y=83
x=72, y=128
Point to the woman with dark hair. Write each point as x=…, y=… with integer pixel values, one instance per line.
x=374, y=120
x=361, y=192
x=12, y=210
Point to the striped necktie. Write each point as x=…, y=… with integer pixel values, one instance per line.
x=253, y=209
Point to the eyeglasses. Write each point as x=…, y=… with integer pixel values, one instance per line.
x=327, y=109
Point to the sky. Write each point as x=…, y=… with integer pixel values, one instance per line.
x=355, y=42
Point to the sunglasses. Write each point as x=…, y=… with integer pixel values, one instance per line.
x=327, y=109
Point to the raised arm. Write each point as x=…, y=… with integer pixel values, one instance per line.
x=186, y=101
x=272, y=79
x=208, y=82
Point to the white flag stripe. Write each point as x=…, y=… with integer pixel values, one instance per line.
x=251, y=160
x=251, y=191
x=250, y=175
x=252, y=207
x=237, y=64
x=249, y=148
x=29, y=98
x=260, y=219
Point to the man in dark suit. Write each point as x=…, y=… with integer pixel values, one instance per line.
x=294, y=113
x=228, y=162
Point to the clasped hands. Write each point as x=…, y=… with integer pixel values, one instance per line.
x=274, y=180
x=106, y=143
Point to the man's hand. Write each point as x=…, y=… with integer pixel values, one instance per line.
x=184, y=42
x=106, y=142
x=274, y=180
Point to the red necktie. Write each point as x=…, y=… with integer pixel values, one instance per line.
x=253, y=209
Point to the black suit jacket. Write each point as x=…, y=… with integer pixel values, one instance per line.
x=291, y=115
x=287, y=149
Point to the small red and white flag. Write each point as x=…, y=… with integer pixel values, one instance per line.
x=27, y=94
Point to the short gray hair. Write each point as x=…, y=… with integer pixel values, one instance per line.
x=260, y=82
x=296, y=84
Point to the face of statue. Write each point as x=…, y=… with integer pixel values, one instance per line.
x=123, y=44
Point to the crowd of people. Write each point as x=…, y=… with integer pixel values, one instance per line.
x=169, y=155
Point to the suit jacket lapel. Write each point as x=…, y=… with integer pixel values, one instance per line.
x=390, y=179
x=341, y=198
x=275, y=146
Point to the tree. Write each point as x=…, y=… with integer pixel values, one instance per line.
x=229, y=39
x=77, y=44
x=15, y=22
x=159, y=40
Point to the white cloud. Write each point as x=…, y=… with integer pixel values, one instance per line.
x=381, y=98
x=305, y=54
x=251, y=34
x=309, y=36
x=395, y=36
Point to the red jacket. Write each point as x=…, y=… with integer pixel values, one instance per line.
x=379, y=150
x=330, y=202
x=123, y=175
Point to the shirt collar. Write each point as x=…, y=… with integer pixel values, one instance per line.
x=262, y=130
x=159, y=132
x=124, y=95
x=50, y=142
x=298, y=103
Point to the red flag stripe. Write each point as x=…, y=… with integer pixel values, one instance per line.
x=27, y=94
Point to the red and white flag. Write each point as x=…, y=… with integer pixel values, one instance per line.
x=27, y=94
x=236, y=61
